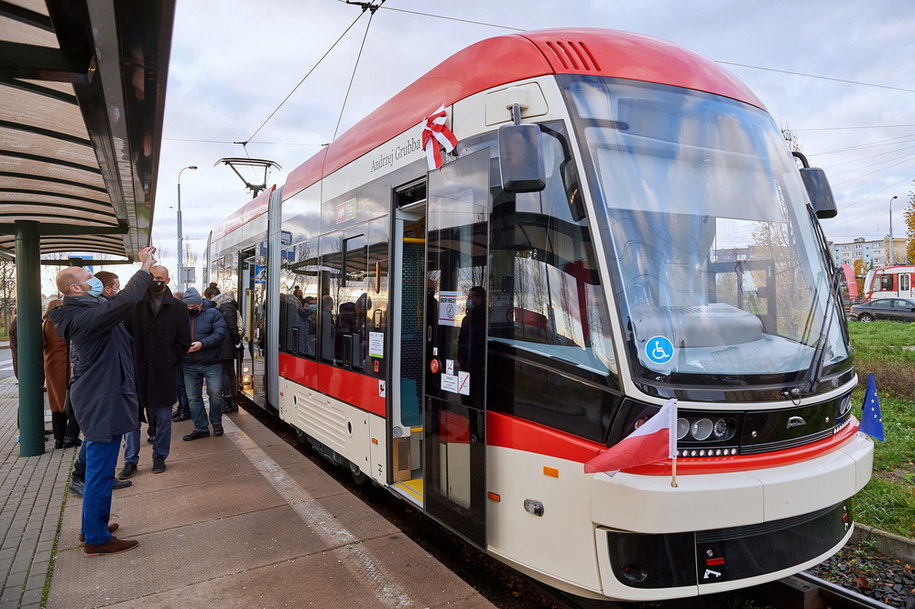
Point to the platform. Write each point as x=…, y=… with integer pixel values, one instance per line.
x=240, y=521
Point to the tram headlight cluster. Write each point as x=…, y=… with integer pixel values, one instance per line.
x=718, y=429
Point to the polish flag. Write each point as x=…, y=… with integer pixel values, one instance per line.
x=654, y=441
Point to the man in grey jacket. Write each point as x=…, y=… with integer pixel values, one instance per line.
x=103, y=389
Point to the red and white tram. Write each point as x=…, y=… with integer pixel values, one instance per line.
x=469, y=335
x=889, y=281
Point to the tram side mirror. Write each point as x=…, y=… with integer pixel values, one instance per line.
x=520, y=159
x=818, y=189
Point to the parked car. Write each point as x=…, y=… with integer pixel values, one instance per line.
x=891, y=309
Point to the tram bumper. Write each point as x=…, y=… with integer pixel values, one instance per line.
x=715, y=532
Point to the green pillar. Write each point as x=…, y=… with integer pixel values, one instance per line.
x=31, y=370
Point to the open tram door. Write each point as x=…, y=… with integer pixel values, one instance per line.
x=454, y=388
x=252, y=284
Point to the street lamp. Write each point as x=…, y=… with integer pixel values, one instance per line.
x=180, y=280
x=892, y=258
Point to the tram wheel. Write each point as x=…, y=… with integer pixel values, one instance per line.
x=301, y=436
x=358, y=476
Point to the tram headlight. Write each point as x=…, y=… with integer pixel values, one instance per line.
x=682, y=428
x=702, y=429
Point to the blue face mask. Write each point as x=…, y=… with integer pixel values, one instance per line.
x=95, y=286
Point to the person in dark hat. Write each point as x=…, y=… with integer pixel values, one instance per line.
x=204, y=361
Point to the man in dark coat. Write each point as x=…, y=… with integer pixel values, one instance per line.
x=203, y=362
x=103, y=388
x=161, y=336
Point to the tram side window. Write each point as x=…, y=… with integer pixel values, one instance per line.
x=344, y=302
x=886, y=283
x=548, y=299
x=299, y=301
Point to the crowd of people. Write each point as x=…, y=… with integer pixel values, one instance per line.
x=114, y=358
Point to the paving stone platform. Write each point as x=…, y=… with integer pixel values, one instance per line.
x=240, y=521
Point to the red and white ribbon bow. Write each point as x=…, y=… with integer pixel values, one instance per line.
x=437, y=135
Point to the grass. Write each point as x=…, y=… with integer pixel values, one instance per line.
x=887, y=350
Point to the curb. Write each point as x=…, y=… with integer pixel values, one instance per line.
x=891, y=545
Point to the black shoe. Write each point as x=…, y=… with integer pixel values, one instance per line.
x=217, y=429
x=69, y=442
x=180, y=416
x=58, y=443
x=119, y=484
x=196, y=435
x=231, y=408
x=150, y=439
x=128, y=471
x=158, y=465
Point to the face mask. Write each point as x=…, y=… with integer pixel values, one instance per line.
x=194, y=311
x=95, y=286
x=157, y=286
x=468, y=305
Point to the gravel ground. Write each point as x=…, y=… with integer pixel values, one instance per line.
x=863, y=569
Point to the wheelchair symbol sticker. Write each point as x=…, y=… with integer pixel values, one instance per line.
x=659, y=349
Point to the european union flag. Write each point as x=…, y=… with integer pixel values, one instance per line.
x=871, y=419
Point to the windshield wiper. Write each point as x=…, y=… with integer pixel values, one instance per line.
x=812, y=377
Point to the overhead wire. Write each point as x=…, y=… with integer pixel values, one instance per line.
x=355, y=67
x=295, y=88
x=843, y=80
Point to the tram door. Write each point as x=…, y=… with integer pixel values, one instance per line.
x=252, y=284
x=455, y=351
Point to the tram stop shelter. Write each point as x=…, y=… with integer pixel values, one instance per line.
x=82, y=100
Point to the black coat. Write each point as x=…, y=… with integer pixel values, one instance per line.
x=160, y=342
x=229, y=309
x=103, y=391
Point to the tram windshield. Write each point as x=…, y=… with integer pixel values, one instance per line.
x=716, y=264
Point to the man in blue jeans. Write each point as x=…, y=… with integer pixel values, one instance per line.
x=203, y=362
x=102, y=392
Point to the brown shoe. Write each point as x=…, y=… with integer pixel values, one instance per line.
x=112, y=546
x=111, y=529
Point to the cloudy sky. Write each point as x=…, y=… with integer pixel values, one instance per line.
x=840, y=74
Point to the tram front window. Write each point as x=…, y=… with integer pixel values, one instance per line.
x=718, y=271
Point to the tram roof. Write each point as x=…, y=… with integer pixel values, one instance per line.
x=82, y=100
x=503, y=59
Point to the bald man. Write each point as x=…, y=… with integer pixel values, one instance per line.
x=103, y=386
x=161, y=334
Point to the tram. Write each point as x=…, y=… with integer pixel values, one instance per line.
x=889, y=281
x=462, y=299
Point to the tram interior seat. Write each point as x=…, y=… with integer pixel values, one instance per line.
x=711, y=325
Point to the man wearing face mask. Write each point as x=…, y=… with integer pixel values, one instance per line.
x=103, y=388
x=161, y=336
x=111, y=285
x=204, y=361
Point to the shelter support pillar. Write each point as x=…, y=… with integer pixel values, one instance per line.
x=28, y=314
